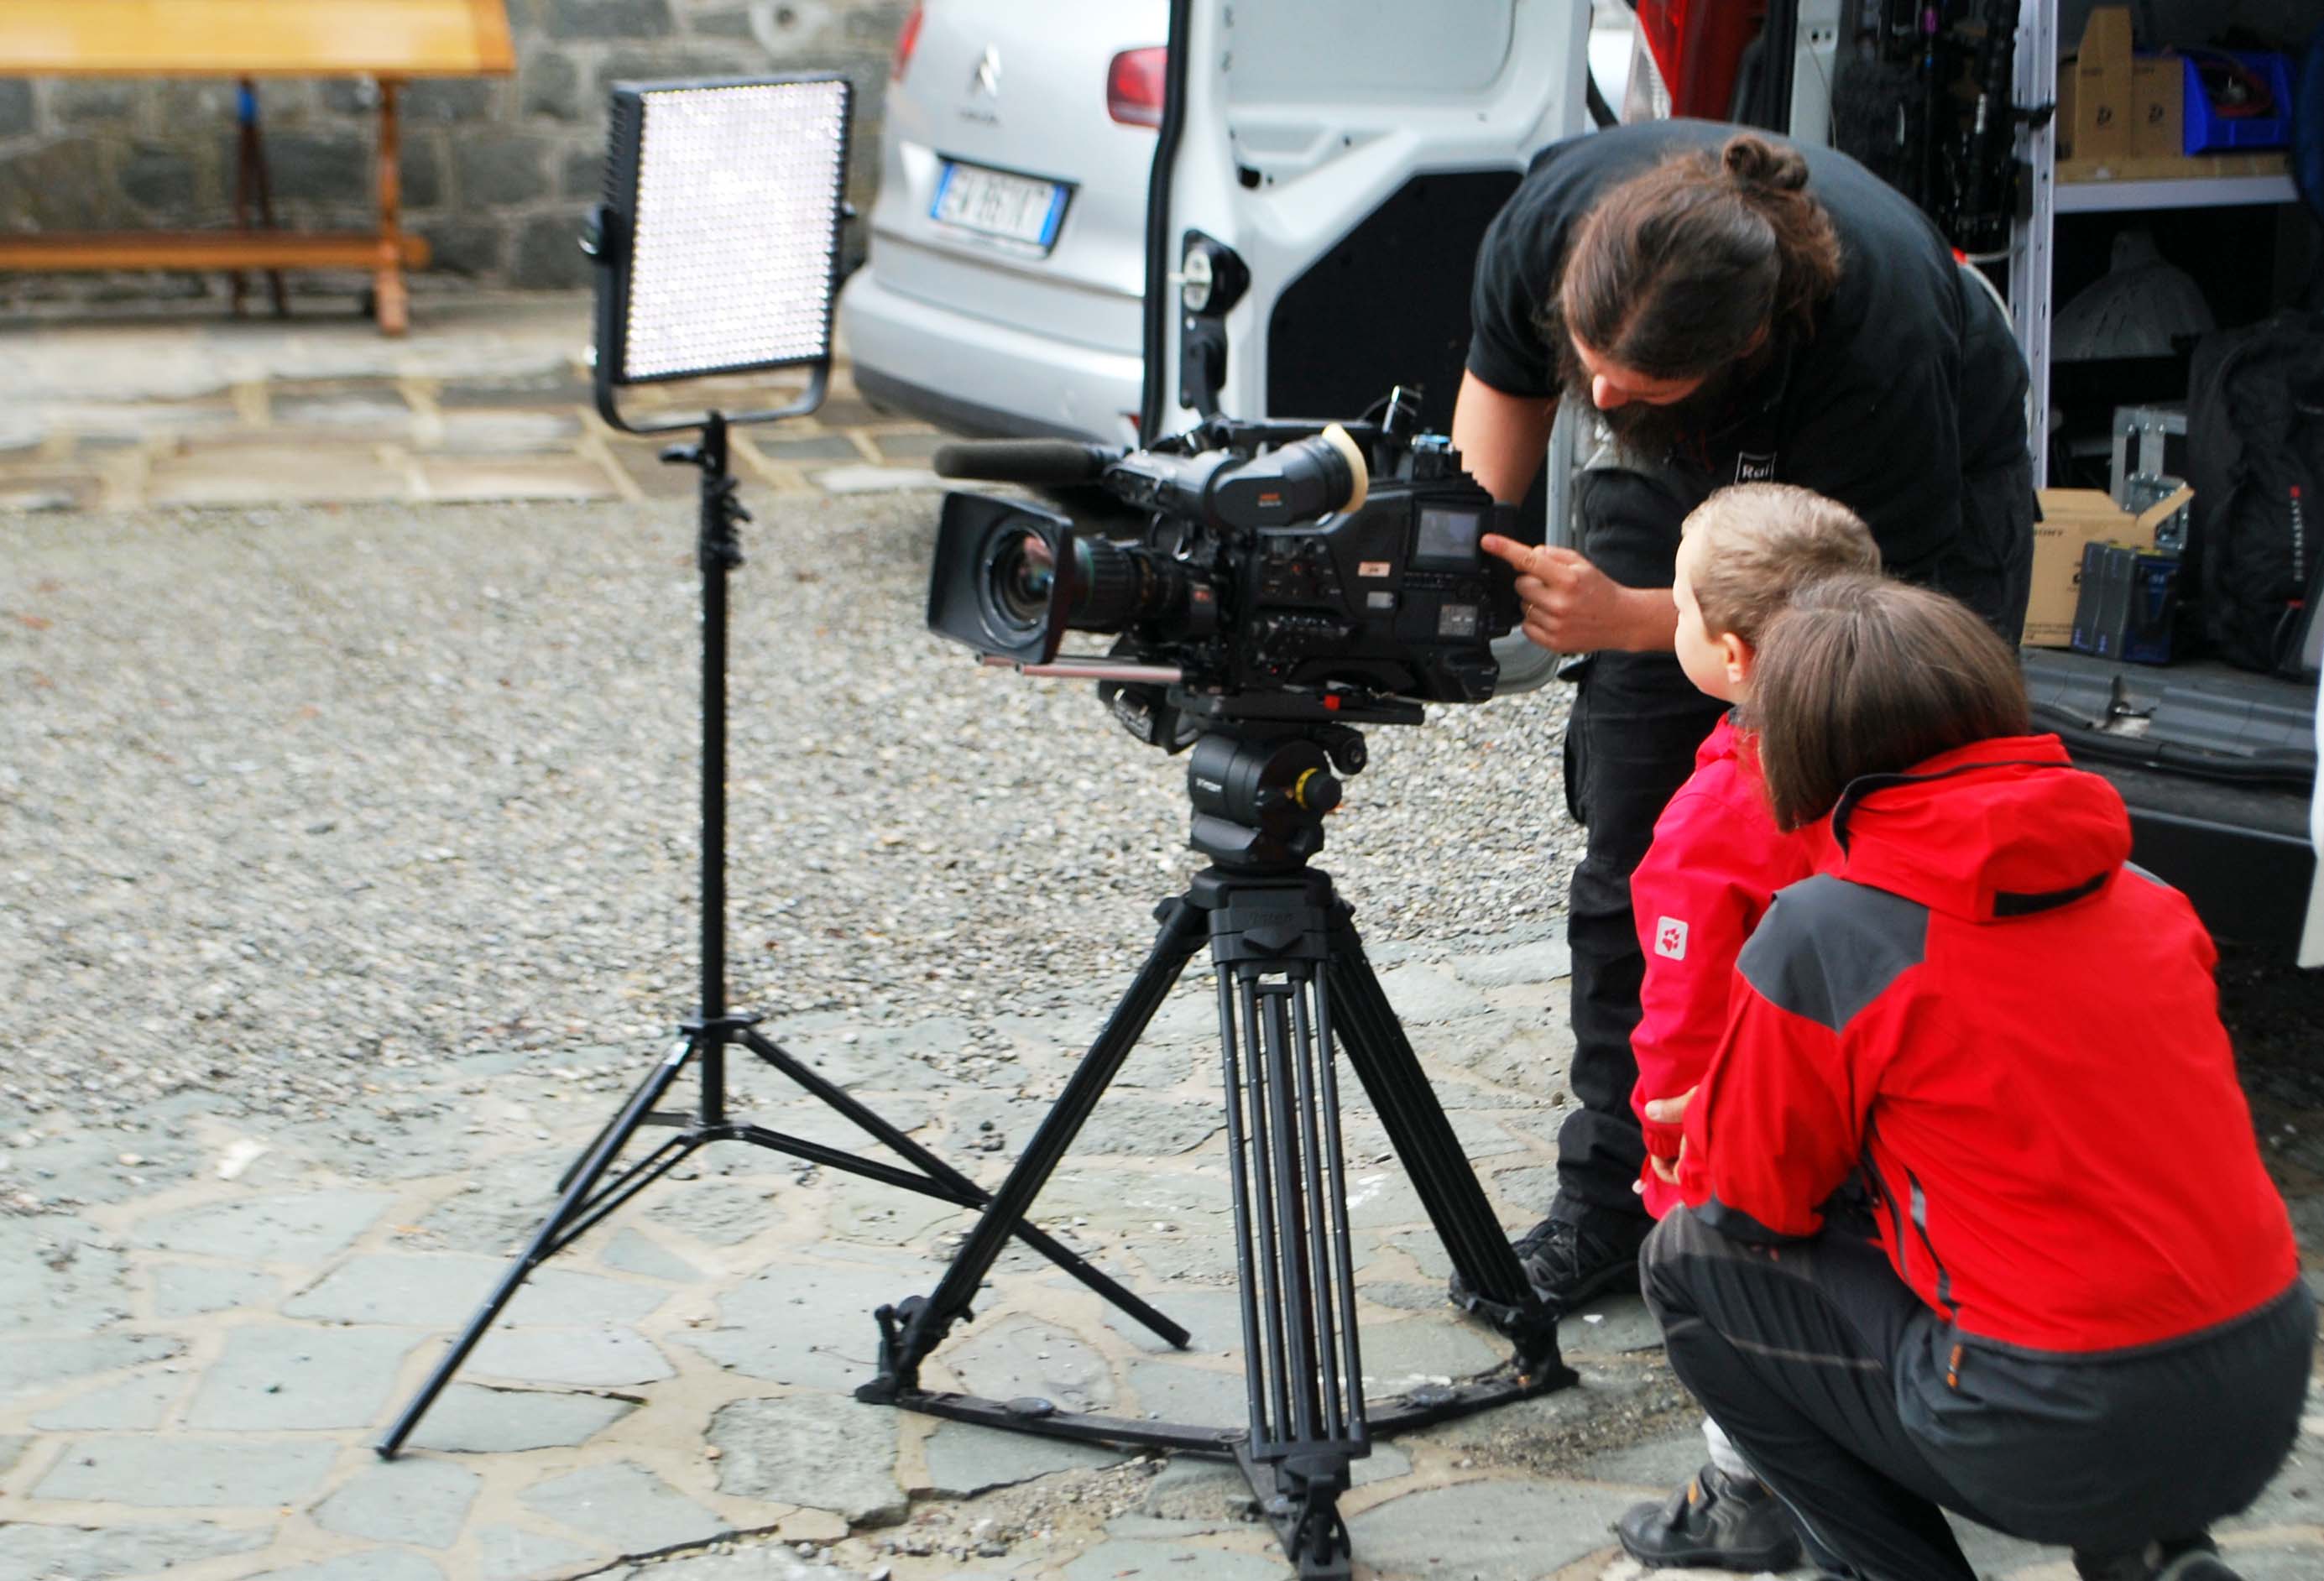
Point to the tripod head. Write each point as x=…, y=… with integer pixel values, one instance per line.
x=1261, y=787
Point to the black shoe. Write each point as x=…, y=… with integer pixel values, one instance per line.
x=1720, y=1521
x=1566, y=1265
x=2185, y=1558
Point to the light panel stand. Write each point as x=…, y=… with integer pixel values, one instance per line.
x=591, y=1187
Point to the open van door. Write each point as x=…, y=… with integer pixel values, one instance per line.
x=1325, y=171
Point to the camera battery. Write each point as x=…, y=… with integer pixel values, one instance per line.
x=2128, y=603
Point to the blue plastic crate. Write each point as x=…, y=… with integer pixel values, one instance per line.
x=2208, y=131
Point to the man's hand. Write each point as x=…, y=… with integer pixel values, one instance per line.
x=1573, y=607
x=1670, y=1111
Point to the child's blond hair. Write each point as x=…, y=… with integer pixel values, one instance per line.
x=1761, y=544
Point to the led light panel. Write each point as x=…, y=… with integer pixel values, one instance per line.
x=726, y=196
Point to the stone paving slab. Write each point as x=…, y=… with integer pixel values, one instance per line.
x=818, y=1450
x=436, y=1291
x=31, y=1366
x=475, y=1420
x=301, y=1227
x=1491, y=1529
x=379, y=1564
x=411, y=1500
x=189, y=1472
x=272, y=1377
x=626, y=1505
x=487, y=398
x=89, y=1553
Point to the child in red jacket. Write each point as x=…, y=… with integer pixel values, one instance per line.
x=2079, y=1316
x=1716, y=862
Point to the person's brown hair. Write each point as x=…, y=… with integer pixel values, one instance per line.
x=1761, y=543
x=1675, y=271
x=1866, y=676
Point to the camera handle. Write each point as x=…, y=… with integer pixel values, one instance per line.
x=1293, y=981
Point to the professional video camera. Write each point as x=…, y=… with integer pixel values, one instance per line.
x=1294, y=580
x=1289, y=570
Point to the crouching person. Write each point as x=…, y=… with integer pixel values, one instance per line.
x=2081, y=1322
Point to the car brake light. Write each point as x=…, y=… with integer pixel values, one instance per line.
x=908, y=39
x=1133, y=85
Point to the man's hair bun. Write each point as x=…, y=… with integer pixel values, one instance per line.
x=1756, y=162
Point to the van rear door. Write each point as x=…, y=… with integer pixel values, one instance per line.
x=1345, y=156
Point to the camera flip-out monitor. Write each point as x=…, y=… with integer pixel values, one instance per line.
x=720, y=226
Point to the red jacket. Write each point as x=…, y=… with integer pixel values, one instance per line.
x=2016, y=1034
x=1717, y=860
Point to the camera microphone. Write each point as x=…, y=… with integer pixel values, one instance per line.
x=1035, y=462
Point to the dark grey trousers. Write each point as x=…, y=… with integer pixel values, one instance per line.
x=1841, y=1389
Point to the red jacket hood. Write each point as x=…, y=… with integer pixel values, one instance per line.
x=1994, y=830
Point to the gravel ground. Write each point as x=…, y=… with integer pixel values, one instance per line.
x=296, y=800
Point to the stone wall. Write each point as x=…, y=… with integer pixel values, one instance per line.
x=497, y=172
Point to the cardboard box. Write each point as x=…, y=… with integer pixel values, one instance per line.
x=2113, y=105
x=2158, y=105
x=2071, y=521
x=2099, y=121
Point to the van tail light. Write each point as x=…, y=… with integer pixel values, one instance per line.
x=1646, y=96
x=1133, y=85
x=908, y=39
x=1696, y=49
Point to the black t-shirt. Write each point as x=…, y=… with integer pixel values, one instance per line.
x=1904, y=404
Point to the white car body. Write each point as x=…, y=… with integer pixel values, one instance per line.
x=979, y=333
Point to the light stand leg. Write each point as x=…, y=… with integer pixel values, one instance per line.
x=962, y=1188
x=575, y=1202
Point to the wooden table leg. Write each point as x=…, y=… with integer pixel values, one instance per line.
x=387, y=282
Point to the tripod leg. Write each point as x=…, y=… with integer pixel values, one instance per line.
x=1423, y=1137
x=916, y=1326
x=1303, y=1376
x=583, y=1181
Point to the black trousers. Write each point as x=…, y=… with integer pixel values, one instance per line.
x=1630, y=745
x=1870, y=1415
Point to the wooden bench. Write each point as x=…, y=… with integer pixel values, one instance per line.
x=393, y=40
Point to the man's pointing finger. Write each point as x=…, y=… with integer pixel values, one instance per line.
x=1521, y=556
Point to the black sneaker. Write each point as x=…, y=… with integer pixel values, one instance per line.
x=1720, y=1521
x=1566, y=1265
x=2185, y=1558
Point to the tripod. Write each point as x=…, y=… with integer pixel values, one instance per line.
x=1291, y=979
x=586, y=1194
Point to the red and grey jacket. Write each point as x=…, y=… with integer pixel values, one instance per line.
x=1717, y=860
x=2014, y=1035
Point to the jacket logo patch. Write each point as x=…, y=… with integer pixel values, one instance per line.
x=1670, y=938
x=1755, y=469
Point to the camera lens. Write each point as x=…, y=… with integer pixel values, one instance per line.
x=1024, y=573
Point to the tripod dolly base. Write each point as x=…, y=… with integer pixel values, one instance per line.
x=1302, y=1511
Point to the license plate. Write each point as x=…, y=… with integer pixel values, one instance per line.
x=994, y=202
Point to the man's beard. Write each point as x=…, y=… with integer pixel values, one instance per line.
x=1654, y=435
